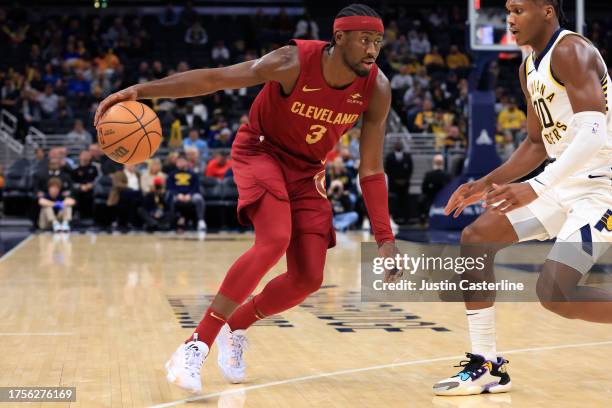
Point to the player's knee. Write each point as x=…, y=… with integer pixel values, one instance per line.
x=472, y=234
x=275, y=243
x=553, y=297
x=308, y=283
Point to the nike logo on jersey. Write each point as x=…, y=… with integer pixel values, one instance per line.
x=305, y=88
x=530, y=71
x=601, y=176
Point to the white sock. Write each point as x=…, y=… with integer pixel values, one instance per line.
x=482, y=332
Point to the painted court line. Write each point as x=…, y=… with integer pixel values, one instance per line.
x=16, y=247
x=370, y=368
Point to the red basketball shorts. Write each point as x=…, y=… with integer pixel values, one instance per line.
x=260, y=167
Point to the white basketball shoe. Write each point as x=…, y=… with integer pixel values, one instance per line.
x=183, y=368
x=232, y=345
x=477, y=376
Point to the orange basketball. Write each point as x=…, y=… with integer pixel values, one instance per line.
x=129, y=132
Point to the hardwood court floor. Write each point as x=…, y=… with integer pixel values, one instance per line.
x=103, y=313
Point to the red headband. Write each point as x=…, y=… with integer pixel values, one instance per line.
x=363, y=23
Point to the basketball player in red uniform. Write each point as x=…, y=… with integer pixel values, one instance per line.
x=314, y=92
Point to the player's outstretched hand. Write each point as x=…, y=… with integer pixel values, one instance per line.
x=467, y=194
x=127, y=94
x=510, y=197
x=389, y=250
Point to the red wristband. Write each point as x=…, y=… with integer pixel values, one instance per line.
x=374, y=190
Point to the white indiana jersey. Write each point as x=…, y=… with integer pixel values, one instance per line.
x=552, y=105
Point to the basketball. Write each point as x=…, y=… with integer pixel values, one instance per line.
x=129, y=132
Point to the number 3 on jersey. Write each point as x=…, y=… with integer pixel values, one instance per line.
x=316, y=133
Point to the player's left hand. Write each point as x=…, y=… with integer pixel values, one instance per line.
x=510, y=197
x=389, y=250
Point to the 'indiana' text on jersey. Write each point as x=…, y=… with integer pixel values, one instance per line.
x=550, y=100
x=309, y=121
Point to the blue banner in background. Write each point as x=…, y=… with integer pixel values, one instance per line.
x=481, y=158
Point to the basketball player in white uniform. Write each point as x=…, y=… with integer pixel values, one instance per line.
x=565, y=82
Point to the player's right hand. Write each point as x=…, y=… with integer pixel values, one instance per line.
x=466, y=195
x=127, y=94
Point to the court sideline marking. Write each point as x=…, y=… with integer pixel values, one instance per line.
x=370, y=368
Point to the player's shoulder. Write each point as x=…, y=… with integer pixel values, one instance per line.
x=286, y=54
x=573, y=50
x=381, y=83
x=278, y=63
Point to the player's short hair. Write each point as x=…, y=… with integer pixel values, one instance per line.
x=558, y=6
x=356, y=9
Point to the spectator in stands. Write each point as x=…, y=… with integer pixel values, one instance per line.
x=169, y=16
x=511, y=119
x=434, y=61
x=222, y=140
x=79, y=135
x=155, y=211
x=64, y=112
x=196, y=34
x=402, y=80
x=344, y=216
x=158, y=70
x=50, y=77
x=354, y=135
x=184, y=189
x=40, y=160
x=30, y=108
x=9, y=95
x=194, y=141
x=338, y=171
x=190, y=119
x=425, y=118
x=457, y=61
x=55, y=208
x=54, y=170
x=220, y=54
x=66, y=162
x=420, y=45
x=79, y=86
x=306, y=28
x=433, y=182
x=144, y=73
x=107, y=60
x=153, y=171
x=170, y=163
x=116, y=34
x=421, y=78
x=102, y=81
x=218, y=166
x=48, y=101
x=125, y=196
x=96, y=156
x=398, y=166
x=192, y=154
x=83, y=178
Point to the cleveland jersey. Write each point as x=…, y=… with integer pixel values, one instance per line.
x=552, y=105
x=308, y=122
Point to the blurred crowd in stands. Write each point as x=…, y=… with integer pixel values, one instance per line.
x=57, y=67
